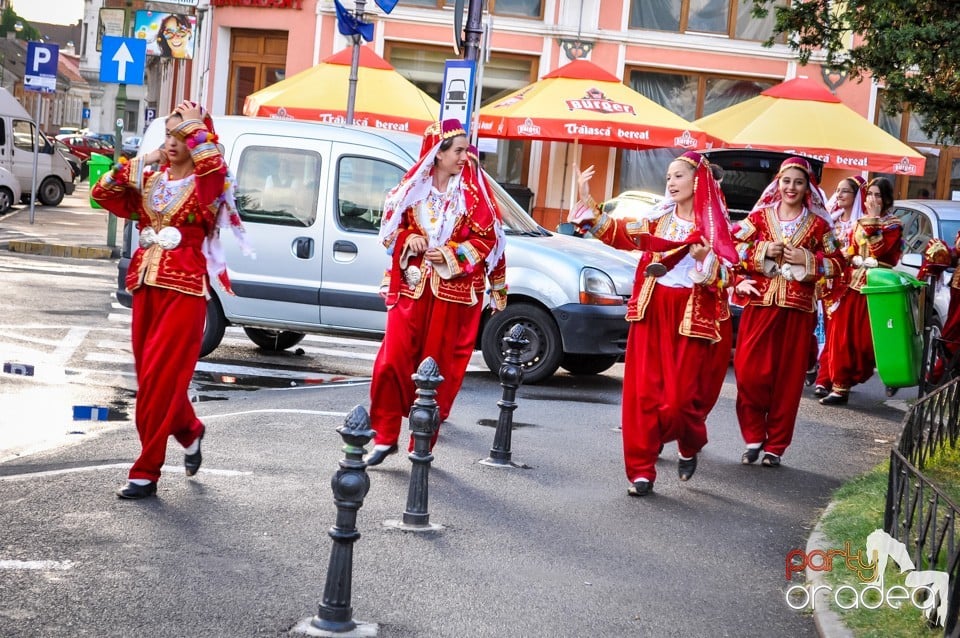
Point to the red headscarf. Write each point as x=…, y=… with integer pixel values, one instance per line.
x=710, y=211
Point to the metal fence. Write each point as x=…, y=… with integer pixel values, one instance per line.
x=918, y=513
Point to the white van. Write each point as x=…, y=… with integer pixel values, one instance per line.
x=311, y=196
x=18, y=136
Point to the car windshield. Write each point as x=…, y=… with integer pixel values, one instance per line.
x=949, y=229
x=516, y=221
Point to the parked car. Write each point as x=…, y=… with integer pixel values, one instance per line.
x=77, y=165
x=107, y=138
x=311, y=197
x=922, y=220
x=83, y=145
x=130, y=146
x=631, y=204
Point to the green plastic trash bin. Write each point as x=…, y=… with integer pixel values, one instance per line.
x=98, y=164
x=893, y=303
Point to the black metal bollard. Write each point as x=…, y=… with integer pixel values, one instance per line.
x=511, y=376
x=350, y=485
x=424, y=421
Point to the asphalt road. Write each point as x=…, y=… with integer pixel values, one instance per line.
x=557, y=549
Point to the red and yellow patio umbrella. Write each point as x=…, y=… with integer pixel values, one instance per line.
x=580, y=102
x=800, y=116
x=385, y=99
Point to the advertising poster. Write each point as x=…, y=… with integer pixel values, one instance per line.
x=169, y=35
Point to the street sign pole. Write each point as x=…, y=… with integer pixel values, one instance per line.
x=36, y=152
x=354, y=65
x=120, y=108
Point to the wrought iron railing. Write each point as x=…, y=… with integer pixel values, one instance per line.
x=918, y=513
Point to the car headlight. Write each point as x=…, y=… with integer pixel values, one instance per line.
x=597, y=289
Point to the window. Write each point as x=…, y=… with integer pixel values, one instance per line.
x=521, y=8
x=257, y=60
x=731, y=18
x=23, y=135
x=362, y=185
x=917, y=229
x=278, y=186
x=505, y=160
x=689, y=95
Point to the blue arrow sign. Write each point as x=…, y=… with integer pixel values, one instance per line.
x=122, y=60
x=41, y=68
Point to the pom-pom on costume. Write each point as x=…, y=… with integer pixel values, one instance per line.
x=434, y=310
x=678, y=344
x=769, y=367
x=169, y=278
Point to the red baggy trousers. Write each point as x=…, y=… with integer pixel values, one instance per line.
x=417, y=329
x=167, y=329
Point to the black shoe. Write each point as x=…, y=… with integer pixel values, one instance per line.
x=656, y=269
x=379, y=454
x=686, y=468
x=132, y=491
x=191, y=462
x=640, y=488
x=820, y=391
x=891, y=391
x=835, y=398
x=770, y=460
x=750, y=455
x=811, y=377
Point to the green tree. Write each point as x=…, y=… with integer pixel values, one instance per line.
x=8, y=20
x=911, y=46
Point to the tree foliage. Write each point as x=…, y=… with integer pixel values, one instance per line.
x=9, y=18
x=911, y=46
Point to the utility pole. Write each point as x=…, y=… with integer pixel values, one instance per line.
x=473, y=31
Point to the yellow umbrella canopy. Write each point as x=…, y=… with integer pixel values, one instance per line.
x=384, y=99
x=800, y=116
x=582, y=102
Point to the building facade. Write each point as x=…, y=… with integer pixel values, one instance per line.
x=691, y=56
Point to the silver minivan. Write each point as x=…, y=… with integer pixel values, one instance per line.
x=311, y=197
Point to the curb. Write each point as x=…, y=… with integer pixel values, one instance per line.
x=59, y=250
x=828, y=622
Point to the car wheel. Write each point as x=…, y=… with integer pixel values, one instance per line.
x=541, y=358
x=274, y=340
x=213, y=328
x=586, y=364
x=51, y=191
x=6, y=199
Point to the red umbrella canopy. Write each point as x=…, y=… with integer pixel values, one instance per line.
x=582, y=102
x=801, y=116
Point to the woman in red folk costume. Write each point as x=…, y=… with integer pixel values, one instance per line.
x=179, y=210
x=678, y=345
x=786, y=245
x=445, y=237
x=876, y=241
x=845, y=207
x=937, y=257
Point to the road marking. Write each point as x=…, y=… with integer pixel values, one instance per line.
x=109, y=358
x=60, y=565
x=114, y=466
x=206, y=417
x=68, y=345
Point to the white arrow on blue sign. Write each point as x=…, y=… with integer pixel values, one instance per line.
x=122, y=60
x=41, y=69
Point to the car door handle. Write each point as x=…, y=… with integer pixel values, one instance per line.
x=303, y=247
x=341, y=246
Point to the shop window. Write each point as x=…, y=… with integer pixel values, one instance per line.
x=689, y=95
x=278, y=186
x=362, y=186
x=506, y=161
x=731, y=18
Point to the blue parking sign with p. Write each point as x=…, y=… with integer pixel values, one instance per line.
x=40, y=73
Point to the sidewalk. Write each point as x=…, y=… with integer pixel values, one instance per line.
x=73, y=229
